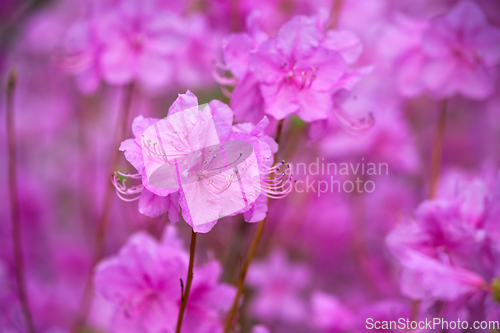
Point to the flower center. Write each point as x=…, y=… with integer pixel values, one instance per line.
x=300, y=76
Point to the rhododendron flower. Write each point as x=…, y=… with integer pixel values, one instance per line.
x=150, y=204
x=143, y=41
x=438, y=252
x=217, y=170
x=278, y=282
x=295, y=73
x=455, y=55
x=142, y=284
x=329, y=314
x=260, y=329
x=424, y=277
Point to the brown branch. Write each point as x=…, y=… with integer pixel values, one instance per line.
x=251, y=251
x=437, y=150
x=14, y=203
x=107, y=201
x=189, y=280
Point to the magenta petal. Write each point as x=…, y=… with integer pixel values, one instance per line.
x=133, y=153
x=440, y=76
x=486, y=42
x=153, y=205
x=221, y=110
x=281, y=99
x=247, y=101
x=266, y=63
x=330, y=68
x=466, y=15
x=475, y=83
x=236, y=48
x=298, y=36
x=314, y=105
x=259, y=210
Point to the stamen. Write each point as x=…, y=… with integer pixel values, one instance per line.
x=121, y=187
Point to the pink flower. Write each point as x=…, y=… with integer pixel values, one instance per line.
x=142, y=284
x=216, y=170
x=329, y=314
x=150, y=204
x=295, y=73
x=439, y=252
x=260, y=329
x=427, y=278
x=147, y=42
x=278, y=282
x=456, y=56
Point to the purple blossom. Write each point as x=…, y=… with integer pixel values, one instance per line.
x=142, y=284
x=454, y=55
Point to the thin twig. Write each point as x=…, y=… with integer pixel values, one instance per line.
x=14, y=203
x=120, y=130
x=437, y=150
x=189, y=280
x=251, y=251
x=333, y=22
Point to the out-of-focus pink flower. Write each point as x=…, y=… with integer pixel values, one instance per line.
x=383, y=311
x=438, y=252
x=424, y=277
x=329, y=314
x=142, y=283
x=295, y=73
x=452, y=54
x=260, y=329
x=143, y=41
x=278, y=282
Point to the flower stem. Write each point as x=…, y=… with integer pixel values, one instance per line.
x=14, y=203
x=333, y=22
x=120, y=130
x=189, y=280
x=251, y=251
x=437, y=152
x=241, y=280
x=437, y=149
